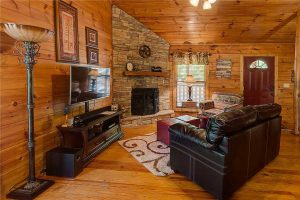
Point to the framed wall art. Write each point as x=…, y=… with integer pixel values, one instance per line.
x=92, y=55
x=223, y=68
x=91, y=37
x=66, y=25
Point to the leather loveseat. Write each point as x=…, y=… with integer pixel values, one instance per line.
x=234, y=147
x=220, y=102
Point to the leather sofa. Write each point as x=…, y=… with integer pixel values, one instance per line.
x=233, y=148
x=220, y=102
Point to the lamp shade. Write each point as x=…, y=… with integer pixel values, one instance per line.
x=194, y=2
x=189, y=79
x=212, y=1
x=206, y=5
x=94, y=72
x=27, y=33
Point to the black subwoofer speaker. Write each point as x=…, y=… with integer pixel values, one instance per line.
x=65, y=162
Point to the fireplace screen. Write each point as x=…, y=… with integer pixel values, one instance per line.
x=144, y=101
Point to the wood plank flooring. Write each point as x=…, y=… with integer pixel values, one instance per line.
x=115, y=174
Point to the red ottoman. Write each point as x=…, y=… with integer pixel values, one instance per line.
x=189, y=119
x=203, y=121
x=163, y=129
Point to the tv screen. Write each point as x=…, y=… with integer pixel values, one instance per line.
x=88, y=83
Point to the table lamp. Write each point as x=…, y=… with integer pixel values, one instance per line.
x=190, y=80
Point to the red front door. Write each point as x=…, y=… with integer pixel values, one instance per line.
x=259, y=76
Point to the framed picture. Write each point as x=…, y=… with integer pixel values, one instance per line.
x=66, y=24
x=92, y=55
x=223, y=68
x=91, y=37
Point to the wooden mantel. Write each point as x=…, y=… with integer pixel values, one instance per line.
x=145, y=73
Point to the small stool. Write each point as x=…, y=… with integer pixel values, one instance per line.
x=189, y=119
x=163, y=129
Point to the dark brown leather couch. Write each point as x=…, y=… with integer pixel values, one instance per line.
x=233, y=148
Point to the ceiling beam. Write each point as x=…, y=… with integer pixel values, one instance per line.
x=279, y=26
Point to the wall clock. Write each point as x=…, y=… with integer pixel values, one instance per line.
x=145, y=51
x=129, y=66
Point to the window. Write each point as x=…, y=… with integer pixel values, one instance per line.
x=258, y=64
x=198, y=89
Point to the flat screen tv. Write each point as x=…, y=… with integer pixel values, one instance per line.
x=88, y=83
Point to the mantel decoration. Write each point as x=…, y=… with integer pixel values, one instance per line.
x=27, y=46
x=145, y=51
x=191, y=58
x=66, y=24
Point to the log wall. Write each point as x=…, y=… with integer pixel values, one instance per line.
x=50, y=82
x=284, y=55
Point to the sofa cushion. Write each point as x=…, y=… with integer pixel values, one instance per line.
x=191, y=133
x=229, y=98
x=229, y=122
x=213, y=111
x=205, y=105
x=267, y=111
x=221, y=105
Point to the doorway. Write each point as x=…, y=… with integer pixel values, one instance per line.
x=259, y=80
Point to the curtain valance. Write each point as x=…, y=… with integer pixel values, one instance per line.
x=191, y=58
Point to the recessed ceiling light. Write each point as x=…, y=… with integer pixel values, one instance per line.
x=194, y=2
x=212, y=1
x=206, y=5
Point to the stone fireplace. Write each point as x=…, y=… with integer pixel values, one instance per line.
x=128, y=36
x=144, y=101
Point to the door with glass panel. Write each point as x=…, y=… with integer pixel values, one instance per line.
x=259, y=83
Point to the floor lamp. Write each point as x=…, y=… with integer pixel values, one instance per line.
x=27, y=46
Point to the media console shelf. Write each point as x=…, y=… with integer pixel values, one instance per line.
x=97, y=130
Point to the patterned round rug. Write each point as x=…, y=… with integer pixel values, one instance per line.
x=153, y=154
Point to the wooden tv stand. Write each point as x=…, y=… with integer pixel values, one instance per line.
x=93, y=135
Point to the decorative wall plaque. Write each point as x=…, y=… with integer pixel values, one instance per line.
x=66, y=22
x=223, y=68
x=145, y=51
x=91, y=37
x=92, y=55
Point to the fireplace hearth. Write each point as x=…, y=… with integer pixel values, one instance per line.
x=144, y=101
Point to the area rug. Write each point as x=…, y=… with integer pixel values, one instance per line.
x=153, y=154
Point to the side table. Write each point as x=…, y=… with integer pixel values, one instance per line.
x=189, y=104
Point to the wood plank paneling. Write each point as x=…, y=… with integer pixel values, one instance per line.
x=50, y=82
x=284, y=54
x=229, y=21
x=115, y=171
x=297, y=77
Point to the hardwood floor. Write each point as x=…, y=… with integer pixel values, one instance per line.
x=115, y=174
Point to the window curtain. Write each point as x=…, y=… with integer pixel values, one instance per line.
x=191, y=58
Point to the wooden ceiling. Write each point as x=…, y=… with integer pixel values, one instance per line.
x=229, y=21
